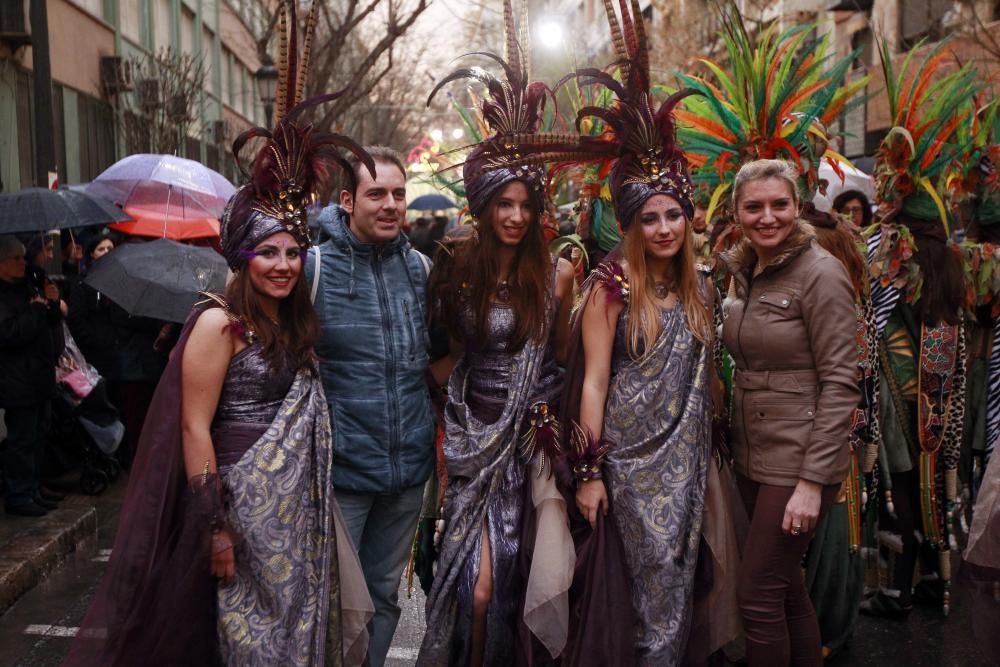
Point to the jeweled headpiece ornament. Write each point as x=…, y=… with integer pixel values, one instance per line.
x=648, y=160
x=926, y=106
x=512, y=111
x=296, y=162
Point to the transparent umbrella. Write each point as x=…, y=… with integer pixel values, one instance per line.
x=187, y=188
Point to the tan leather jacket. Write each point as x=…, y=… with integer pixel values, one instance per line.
x=791, y=331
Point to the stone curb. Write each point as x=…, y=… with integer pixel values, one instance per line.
x=29, y=554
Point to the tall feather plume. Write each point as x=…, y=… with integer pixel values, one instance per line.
x=621, y=53
x=293, y=56
x=282, y=90
x=641, y=54
x=524, y=38
x=511, y=54
x=628, y=30
x=306, y=52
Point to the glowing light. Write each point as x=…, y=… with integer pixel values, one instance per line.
x=457, y=133
x=437, y=135
x=550, y=34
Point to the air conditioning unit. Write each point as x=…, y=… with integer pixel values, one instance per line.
x=116, y=75
x=15, y=29
x=219, y=132
x=177, y=107
x=148, y=93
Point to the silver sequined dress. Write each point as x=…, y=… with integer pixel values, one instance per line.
x=490, y=392
x=658, y=417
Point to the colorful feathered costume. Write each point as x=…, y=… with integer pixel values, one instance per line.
x=917, y=290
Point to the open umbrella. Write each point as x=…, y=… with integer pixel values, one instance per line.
x=431, y=202
x=188, y=188
x=40, y=209
x=158, y=225
x=854, y=179
x=159, y=279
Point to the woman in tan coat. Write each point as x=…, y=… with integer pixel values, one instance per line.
x=791, y=332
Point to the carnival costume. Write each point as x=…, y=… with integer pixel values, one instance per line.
x=976, y=192
x=658, y=412
x=298, y=596
x=774, y=100
x=923, y=345
x=499, y=416
x=980, y=470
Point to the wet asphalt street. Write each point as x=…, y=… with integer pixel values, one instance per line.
x=36, y=631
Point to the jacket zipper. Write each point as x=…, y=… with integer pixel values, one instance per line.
x=409, y=327
x=390, y=367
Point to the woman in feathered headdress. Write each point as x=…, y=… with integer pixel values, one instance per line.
x=638, y=392
x=505, y=302
x=918, y=291
x=229, y=548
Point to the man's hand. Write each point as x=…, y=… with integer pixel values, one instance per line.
x=51, y=292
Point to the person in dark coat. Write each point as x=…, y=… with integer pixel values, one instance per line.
x=31, y=340
x=129, y=352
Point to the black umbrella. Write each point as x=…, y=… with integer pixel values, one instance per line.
x=159, y=279
x=431, y=202
x=39, y=209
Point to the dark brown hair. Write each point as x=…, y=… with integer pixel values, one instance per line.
x=378, y=154
x=847, y=196
x=471, y=267
x=942, y=296
x=292, y=344
x=840, y=242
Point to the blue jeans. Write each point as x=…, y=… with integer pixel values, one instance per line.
x=382, y=526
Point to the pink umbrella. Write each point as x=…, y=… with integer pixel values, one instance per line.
x=187, y=188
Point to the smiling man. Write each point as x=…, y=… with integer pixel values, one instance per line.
x=371, y=300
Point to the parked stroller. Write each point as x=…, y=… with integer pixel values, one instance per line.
x=85, y=431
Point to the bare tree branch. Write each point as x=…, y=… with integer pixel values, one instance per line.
x=165, y=103
x=355, y=50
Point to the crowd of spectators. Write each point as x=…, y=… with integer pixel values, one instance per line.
x=44, y=302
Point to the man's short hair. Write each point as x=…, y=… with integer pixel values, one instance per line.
x=10, y=246
x=379, y=154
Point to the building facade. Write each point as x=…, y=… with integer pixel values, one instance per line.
x=94, y=47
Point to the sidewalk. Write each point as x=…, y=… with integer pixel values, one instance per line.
x=30, y=548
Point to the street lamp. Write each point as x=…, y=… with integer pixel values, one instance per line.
x=267, y=84
x=550, y=34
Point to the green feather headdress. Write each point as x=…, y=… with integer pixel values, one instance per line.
x=775, y=100
x=926, y=107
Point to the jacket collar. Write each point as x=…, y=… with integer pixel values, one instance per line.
x=742, y=258
x=336, y=224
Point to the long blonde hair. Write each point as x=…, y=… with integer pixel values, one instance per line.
x=645, y=324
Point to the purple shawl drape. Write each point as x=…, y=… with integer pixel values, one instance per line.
x=156, y=600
